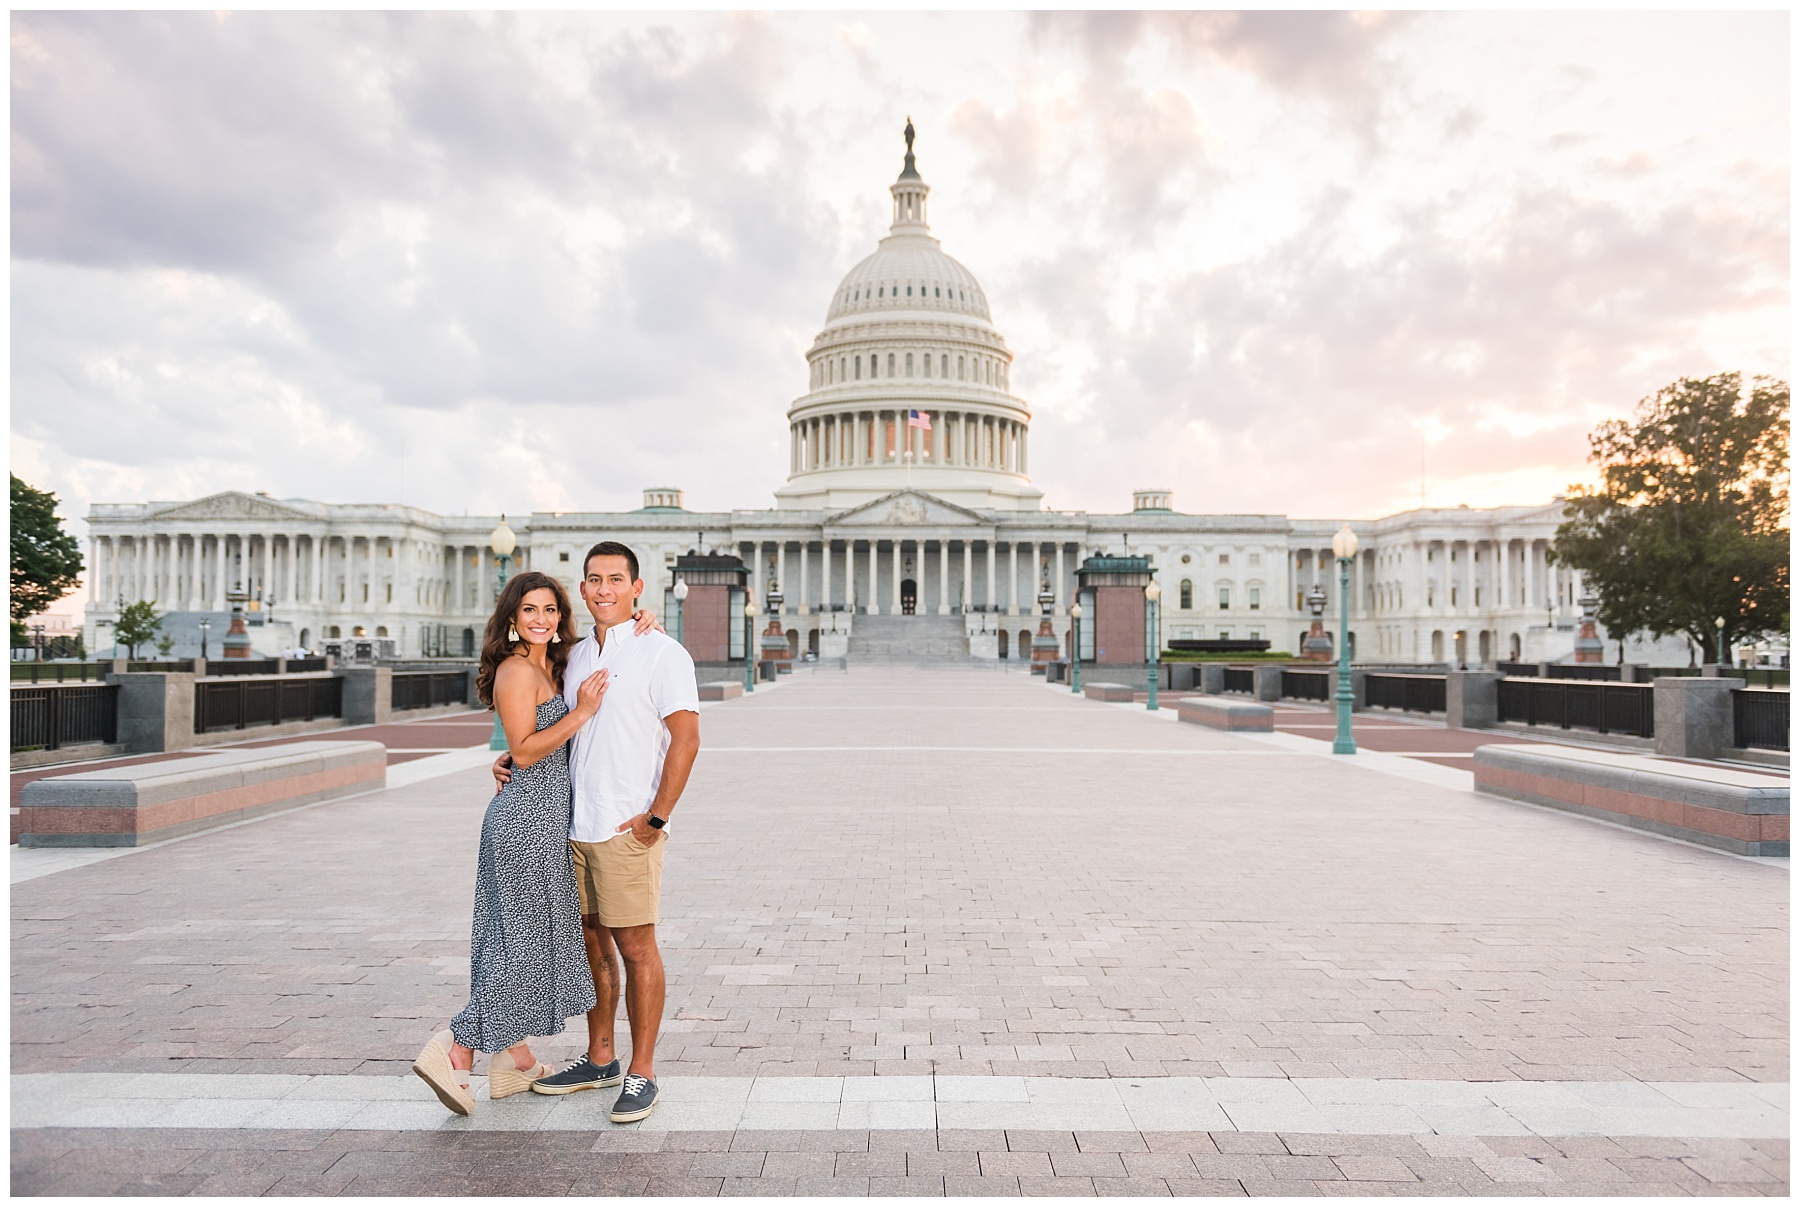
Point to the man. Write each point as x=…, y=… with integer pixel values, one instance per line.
x=628, y=766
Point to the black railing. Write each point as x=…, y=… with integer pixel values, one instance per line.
x=429, y=689
x=1528, y=669
x=50, y=718
x=302, y=666
x=1240, y=679
x=167, y=666
x=247, y=702
x=1583, y=670
x=60, y=672
x=1759, y=719
x=1649, y=674
x=244, y=666
x=1306, y=685
x=1622, y=708
x=1759, y=676
x=1409, y=693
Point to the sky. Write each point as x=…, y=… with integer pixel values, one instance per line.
x=1314, y=264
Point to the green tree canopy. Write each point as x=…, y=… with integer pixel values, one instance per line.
x=1690, y=519
x=46, y=561
x=137, y=624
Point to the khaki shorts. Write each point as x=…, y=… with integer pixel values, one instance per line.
x=620, y=879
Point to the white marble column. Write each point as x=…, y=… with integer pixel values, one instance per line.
x=944, y=576
x=968, y=574
x=781, y=576
x=992, y=601
x=803, y=603
x=1059, y=607
x=896, y=595
x=1012, y=577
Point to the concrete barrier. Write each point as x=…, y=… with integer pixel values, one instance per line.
x=1111, y=693
x=722, y=690
x=1736, y=811
x=148, y=802
x=1241, y=715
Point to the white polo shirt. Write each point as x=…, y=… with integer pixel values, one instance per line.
x=616, y=759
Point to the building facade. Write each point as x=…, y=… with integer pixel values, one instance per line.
x=908, y=519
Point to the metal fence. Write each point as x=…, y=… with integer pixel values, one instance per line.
x=1529, y=669
x=1306, y=685
x=1409, y=693
x=1591, y=671
x=60, y=672
x=245, y=666
x=1759, y=719
x=1240, y=679
x=303, y=666
x=429, y=689
x=166, y=666
x=1623, y=708
x=243, y=703
x=49, y=718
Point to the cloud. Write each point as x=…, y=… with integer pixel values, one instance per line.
x=494, y=261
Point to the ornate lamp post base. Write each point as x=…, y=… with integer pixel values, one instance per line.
x=1343, y=545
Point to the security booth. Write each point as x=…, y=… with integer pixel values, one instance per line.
x=1111, y=591
x=710, y=621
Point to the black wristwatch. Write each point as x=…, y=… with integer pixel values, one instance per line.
x=656, y=823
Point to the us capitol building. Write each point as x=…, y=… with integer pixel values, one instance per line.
x=888, y=539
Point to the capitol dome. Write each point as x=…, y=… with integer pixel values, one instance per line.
x=908, y=330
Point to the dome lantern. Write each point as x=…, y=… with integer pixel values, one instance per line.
x=909, y=191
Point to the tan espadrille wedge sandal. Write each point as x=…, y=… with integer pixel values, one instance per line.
x=448, y=1082
x=505, y=1080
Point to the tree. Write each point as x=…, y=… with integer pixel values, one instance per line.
x=46, y=561
x=136, y=625
x=1690, y=520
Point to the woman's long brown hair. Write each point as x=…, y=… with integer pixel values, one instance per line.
x=495, y=647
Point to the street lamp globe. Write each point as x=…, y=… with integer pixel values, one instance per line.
x=1152, y=592
x=681, y=590
x=1343, y=545
x=501, y=540
x=1075, y=611
x=750, y=609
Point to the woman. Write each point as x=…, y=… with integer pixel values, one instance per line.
x=528, y=969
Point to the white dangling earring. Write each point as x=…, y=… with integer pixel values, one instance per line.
x=555, y=638
x=512, y=634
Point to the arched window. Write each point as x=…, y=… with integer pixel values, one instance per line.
x=927, y=360
x=890, y=364
x=944, y=366
x=841, y=365
x=859, y=368
x=381, y=630
x=909, y=291
x=959, y=369
x=936, y=292
x=909, y=364
x=881, y=292
x=1187, y=593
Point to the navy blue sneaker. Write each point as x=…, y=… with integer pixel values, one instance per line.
x=584, y=1074
x=638, y=1100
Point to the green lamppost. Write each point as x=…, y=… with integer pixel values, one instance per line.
x=502, y=541
x=749, y=651
x=1152, y=595
x=1719, y=626
x=1075, y=647
x=1343, y=546
x=681, y=592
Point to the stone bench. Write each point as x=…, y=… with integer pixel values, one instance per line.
x=1737, y=811
x=134, y=805
x=1110, y=693
x=724, y=690
x=1214, y=713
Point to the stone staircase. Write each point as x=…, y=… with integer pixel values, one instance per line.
x=908, y=639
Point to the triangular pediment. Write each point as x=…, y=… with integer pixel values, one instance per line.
x=229, y=505
x=908, y=509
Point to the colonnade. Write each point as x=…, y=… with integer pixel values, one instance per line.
x=193, y=571
x=948, y=574
x=884, y=437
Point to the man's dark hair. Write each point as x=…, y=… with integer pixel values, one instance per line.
x=612, y=549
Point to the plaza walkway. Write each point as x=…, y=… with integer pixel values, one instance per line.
x=945, y=931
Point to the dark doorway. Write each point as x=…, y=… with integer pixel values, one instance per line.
x=1003, y=639
x=468, y=643
x=909, y=596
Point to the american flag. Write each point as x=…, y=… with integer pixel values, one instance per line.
x=918, y=419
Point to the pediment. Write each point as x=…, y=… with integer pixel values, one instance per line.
x=230, y=505
x=908, y=509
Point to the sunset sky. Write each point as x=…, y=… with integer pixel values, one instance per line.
x=1276, y=262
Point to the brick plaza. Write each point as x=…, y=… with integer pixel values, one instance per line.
x=946, y=931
